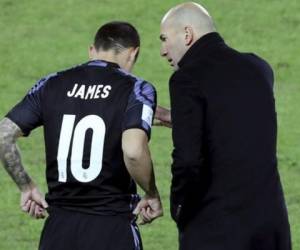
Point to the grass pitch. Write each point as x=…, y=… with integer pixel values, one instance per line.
x=39, y=37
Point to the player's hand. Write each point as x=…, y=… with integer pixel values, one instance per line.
x=162, y=117
x=149, y=208
x=157, y=122
x=33, y=202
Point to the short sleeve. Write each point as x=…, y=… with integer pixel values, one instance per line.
x=27, y=114
x=141, y=107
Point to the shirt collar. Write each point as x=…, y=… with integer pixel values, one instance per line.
x=103, y=63
x=201, y=47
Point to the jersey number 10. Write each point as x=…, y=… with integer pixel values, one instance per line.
x=81, y=174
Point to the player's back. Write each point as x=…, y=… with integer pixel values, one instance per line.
x=84, y=111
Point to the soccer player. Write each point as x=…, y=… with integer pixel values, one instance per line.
x=97, y=121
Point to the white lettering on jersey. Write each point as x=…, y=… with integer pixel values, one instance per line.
x=71, y=93
x=80, y=92
x=90, y=92
x=76, y=150
x=98, y=91
x=106, y=90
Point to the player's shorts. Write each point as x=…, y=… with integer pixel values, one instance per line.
x=70, y=230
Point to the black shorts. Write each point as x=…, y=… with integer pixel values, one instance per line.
x=70, y=230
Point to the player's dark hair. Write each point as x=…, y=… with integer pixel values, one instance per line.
x=117, y=36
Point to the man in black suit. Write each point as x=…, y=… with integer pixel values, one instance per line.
x=226, y=192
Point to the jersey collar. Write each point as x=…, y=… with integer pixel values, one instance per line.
x=103, y=63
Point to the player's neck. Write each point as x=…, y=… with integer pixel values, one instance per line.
x=111, y=57
x=108, y=57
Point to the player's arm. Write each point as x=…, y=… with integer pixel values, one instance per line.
x=139, y=165
x=21, y=119
x=10, y=155
x=137, y=124
x=138, y=160
x=163, y=117
x=32, y=201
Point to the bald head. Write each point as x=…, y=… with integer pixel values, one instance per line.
x=190, y=14
x=181, y=27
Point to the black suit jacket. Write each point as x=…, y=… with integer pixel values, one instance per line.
x=224, y=135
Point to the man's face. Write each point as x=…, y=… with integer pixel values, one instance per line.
x=172, y=44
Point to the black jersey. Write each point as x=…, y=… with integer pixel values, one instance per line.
x=84, y=111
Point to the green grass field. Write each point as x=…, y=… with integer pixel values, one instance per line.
x=39, y=37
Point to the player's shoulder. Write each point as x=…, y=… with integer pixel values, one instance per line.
x=139, y=83
x=142, y=90
x=43, y=81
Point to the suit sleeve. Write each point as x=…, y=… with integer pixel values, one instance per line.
x=187, y=111
x=27, y=114
x=141, y=107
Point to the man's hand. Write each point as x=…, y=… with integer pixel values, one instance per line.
x=33, y=203
x=162, y=117
x=139, y=165
x=149, y=208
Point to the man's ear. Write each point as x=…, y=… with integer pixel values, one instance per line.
x=92, y=52
x=188, y=35
x=134, y=54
